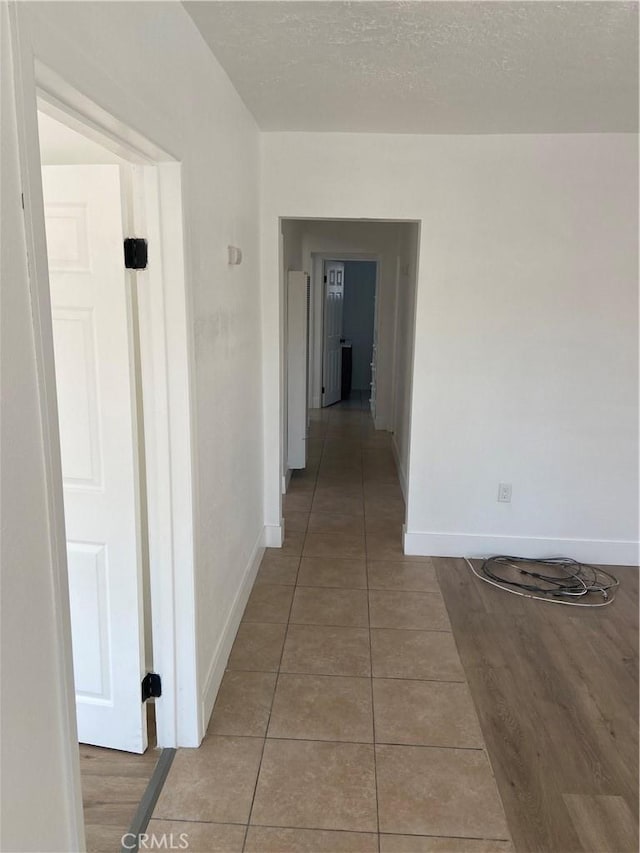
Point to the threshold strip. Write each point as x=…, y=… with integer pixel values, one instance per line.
x=140, y=821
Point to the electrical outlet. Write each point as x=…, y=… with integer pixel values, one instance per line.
x=504, y=493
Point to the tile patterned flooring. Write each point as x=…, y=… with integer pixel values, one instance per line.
x=344, y=721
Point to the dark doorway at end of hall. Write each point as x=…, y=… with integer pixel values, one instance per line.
x=358, y=323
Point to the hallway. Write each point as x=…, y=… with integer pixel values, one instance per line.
x=344, y=721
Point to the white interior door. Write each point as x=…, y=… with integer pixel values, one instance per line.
x=332, y=355
x=95, y=385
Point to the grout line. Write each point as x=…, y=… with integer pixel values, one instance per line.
x=352, y=588
x=419, y=680
x=326, y=675
x=273, y=697
x=328, y=624
x=412, y=592
x=324, y=829
x=412, y=630
x=365, y=484
x=342, y=625
x=339, y=741
x=373, y=713
x=353, y=675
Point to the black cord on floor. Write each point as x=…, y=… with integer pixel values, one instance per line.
x=560, y=580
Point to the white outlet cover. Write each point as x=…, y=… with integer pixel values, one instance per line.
x=504, y=493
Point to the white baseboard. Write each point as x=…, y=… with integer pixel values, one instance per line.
x=605, y=551
x=274, y=535
x=221, y=655
x=402, y=476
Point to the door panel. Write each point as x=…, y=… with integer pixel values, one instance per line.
x=95, y=388
x=333, y=305
x=75, y=345
x=88, y=584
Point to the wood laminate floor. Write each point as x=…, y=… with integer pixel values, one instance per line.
x=556, y=690
x=113, y=783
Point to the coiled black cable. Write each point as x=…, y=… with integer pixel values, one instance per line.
x=568, y=580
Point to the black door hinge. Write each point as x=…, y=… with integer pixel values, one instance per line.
x=135, y=253
x=325, y=279
x=323, y=389
x=151, y=686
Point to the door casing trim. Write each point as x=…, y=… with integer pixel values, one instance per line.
x=167, y=381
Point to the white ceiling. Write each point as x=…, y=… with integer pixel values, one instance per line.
x=429, y=67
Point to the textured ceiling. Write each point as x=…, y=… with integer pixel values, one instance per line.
x=429, y=67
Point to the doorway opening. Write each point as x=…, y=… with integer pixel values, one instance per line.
x=88, y=205
x=349, y=330
x=88, y=208
x=121, y=435
x=360, y=317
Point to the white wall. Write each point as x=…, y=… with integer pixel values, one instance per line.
x=358, y=318
x=38, y=762
x=291, y=232
x=60, y=145
x=104, y=50
x=525, y=366
x=408, y=248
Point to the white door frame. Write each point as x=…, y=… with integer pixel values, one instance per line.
x=167, y=359
x=316, y=319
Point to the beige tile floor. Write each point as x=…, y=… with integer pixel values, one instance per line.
x=344, y=721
